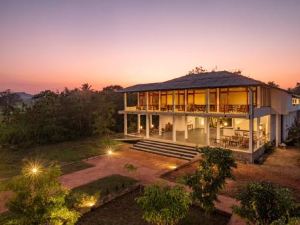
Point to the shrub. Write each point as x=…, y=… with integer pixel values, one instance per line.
x=214, y=168
x=294, y=135
x=263, y=203
x=164, y=205
x=39, y=198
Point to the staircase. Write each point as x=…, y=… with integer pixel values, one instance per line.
x=166, y=149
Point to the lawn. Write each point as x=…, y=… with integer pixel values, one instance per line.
x=125, y=211
x=106, y=185
x=281, y=167
x=66, y=152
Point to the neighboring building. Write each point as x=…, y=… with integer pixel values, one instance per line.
x=213, y=108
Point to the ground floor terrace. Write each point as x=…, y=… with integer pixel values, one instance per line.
x=239, y=134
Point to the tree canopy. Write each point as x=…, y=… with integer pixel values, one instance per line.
x=54, y=117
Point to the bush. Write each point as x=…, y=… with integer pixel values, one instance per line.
x=39, y=198
x=293, y=138
x=263, y=203
x=214, y=168
x=164, y=205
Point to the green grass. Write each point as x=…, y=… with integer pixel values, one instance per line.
x=106, y=185
x=73, y=151
x=125, y=211
x=76, y=166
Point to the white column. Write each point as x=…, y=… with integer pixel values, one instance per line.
x=150, y=119
x=147, y=126
x=207, y=131
x=185, y=100
x=218, y=130
x=250, y=100
x=251, y=136
x=207, y=100
x=125, y=100
x=185, y=127
x=139, y=123
x=125, y=123
x=258, y=103
x=218, y=99
x=147, y=101
x=278, y=128
x=173, y=101
x=174, y=129
x=258, y=132
x=159, y=103
x=159, y=126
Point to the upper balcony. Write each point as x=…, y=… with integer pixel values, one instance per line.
x=236, y=100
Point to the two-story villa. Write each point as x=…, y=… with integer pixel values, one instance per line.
x=213, y=108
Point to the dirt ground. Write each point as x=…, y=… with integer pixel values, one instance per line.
x=281, y=167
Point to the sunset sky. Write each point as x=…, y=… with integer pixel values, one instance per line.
x=57, y=43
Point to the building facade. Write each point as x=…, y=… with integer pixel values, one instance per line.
x=215, y=108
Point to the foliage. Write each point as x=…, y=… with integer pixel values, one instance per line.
x=39, y=198
x=8, y=102
x=273, y=84
x=130, y=167
x=197, y=70
x=164, y=205
x=292, y=221
x=210, y=177
x=54, y=117
x=263, y=203
x=294, y=134
x=296, y=89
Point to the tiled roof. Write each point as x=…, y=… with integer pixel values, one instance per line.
x=203, y=80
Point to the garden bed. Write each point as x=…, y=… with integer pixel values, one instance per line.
x=107, y=185
x=125, y=211
x=281, y=167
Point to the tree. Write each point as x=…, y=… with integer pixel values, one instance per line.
x=197, y=70
x=263, y=203
x=296, y=89
x=210, y=177
x=273, y=84
x=39, y=198
x=164, y=205
x=8, y=103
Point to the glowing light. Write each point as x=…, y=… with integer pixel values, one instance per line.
x=90, y=203
x=32, y=168
x=225, y=124
x=260, y=127
x=141, y=127
x=172, y=167
x=109, y=152
x=152, y=125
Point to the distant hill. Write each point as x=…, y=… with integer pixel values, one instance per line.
x=25, y=96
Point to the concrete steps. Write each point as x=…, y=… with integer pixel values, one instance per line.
x=167, y=149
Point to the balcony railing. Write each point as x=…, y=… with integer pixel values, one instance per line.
x=234, y=108
x=194, y=108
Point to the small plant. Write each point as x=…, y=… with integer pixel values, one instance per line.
x=83, y=202
x=130, y=167
x=210, y=177
x=264, y=203
x=164, y=205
